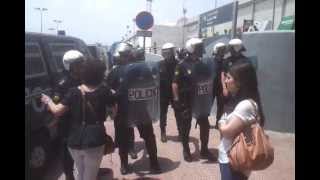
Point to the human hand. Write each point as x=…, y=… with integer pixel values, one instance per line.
x=45, y=99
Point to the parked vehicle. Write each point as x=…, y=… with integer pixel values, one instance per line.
x=43, y=70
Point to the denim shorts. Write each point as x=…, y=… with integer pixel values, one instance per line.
x=228, y=174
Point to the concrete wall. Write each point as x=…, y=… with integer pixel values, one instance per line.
x=290, y=8
x=276, y=76
x=275, y=55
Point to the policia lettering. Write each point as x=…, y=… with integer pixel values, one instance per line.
x=136, y=94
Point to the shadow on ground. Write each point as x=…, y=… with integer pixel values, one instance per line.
x=141, y=167
x=105, y=174
x=196, y=153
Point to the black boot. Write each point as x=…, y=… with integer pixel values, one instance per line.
x=163, y=135
x=154, y=165
x=152, y=151
x=186, y=153
x=206, y=154
x=124, y=169
x=132, y=152
x=204, y=138
x=69, y=176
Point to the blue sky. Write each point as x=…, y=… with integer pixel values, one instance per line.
x=105, y=21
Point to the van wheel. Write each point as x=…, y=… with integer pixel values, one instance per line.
x=39, y=157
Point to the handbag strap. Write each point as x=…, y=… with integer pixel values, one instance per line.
x=84, y=102
x=255, y=110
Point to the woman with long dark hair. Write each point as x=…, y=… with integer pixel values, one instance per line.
x=242, y=85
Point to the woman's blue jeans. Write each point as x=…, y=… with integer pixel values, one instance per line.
x=228, y=174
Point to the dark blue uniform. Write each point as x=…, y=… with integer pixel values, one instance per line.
x=167, y=68
x=114, y=81
x=183, y=108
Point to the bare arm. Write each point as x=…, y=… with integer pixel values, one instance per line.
x=175, y=91
x=231, y=129
x=224, y=87
x=56, y=109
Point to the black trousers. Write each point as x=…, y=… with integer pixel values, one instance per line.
x=146, y=132
x=130, y=133
x=185, y=117
x=164, y=104
x=67, y=160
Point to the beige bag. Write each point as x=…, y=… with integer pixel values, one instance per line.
x=252, y=150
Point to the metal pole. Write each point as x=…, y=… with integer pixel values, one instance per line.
x=283, y=11
x=144, y=43
x=273, y=13
x=41, y=19
x=253, y=9
x=235, y=16
x=184, y=21
x=215, y=4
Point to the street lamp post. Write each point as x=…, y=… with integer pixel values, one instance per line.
x=184, y=11
x=235, y=16
x=41, y=11
x=57, y=22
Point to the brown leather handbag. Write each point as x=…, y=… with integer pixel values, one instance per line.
x=251, y=149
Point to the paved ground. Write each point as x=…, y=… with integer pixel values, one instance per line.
x=173, y=165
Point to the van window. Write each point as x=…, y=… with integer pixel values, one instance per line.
x=34, y=63
x=58, y=50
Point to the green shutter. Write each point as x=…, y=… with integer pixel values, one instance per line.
x=287, y=23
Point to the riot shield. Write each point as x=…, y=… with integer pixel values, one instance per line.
x=141, y=82
x=203, y=78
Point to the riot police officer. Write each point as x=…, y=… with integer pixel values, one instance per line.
x=184, y=88
x=233, y=55
x=167, y=67
x=219, y=51
x=122, y=56
x=135, y=91
x=72, y=63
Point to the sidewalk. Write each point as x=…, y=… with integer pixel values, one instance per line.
x=175, y=168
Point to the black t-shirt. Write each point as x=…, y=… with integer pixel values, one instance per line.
x=88, y=131
x=60, y=91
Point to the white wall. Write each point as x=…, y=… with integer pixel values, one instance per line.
x=290, y=8
x=244, y=13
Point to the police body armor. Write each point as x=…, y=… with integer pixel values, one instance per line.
x=166, y=70
x=140, y=93
x=203, y=74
